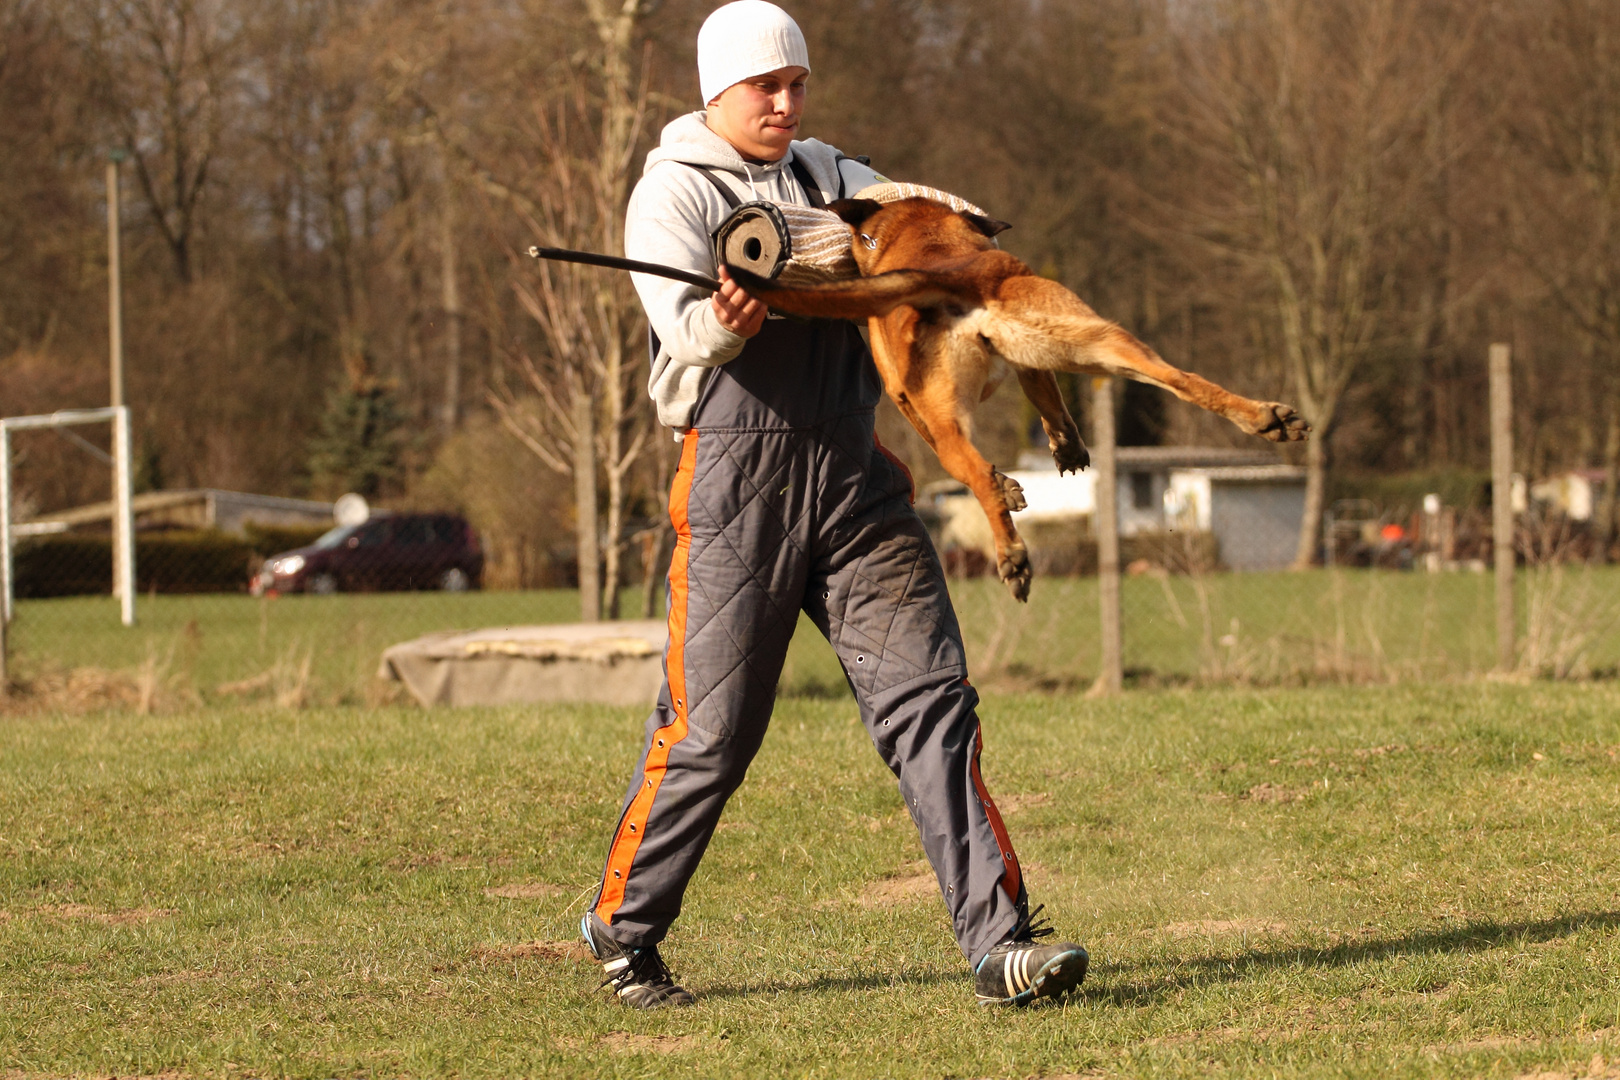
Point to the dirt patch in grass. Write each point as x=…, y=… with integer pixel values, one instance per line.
x=630, y=1042
x=1012, y=804
x=1274, y=793
x=1597, y=1069
x=912, y=885
x=535, y=950
x=123, y=917
x=625, y=1042
x=525, y=890
x=176, y=978
x=1206, y=927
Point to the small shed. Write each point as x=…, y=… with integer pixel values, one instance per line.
x=1253, y=511
x=1252, y=504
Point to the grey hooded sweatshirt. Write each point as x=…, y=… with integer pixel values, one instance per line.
x=673, y=213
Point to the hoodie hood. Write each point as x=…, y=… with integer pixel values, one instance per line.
x=689, y=141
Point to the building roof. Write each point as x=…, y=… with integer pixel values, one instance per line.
x=1255, y=474
x=153, y=501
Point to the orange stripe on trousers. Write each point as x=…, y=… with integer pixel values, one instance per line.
x=1013, y=877
x=634, y=825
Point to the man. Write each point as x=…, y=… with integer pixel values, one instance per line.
x=784, y=501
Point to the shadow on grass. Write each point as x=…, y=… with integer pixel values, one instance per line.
x=1471, y=937
x=874, y=981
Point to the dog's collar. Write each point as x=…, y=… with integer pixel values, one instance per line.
x=871, y=244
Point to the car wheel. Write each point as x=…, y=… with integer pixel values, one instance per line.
x=323, y=584
x=454, y=580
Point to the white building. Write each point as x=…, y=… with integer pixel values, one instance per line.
x=1249, y=501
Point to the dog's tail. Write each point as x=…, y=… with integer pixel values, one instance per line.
x=858, y=298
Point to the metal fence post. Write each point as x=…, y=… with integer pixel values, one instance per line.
x=1111, y=675
x=124, y=526
x=1502, y=502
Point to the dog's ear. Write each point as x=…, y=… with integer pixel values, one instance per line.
x=988, y=226
x=855, y=211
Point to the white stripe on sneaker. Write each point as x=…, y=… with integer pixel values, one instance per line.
x=614, y=965
x=1007, y=975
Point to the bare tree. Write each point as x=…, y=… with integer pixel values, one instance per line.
x=582, y=414
x=1306, y=115
x=1565, y=121
x=162, y=69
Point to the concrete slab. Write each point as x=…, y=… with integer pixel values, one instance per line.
x=606, y=663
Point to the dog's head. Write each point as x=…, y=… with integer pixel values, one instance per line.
x=911, y=233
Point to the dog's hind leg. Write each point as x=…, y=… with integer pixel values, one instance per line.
x=1068, y=449
x=1038, y=323
x=942, y=412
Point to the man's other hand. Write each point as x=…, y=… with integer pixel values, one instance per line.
x=736, y=310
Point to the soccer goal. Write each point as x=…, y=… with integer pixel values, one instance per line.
x=123, y=518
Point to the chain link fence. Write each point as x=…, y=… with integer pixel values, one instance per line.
x=236, y=595
x=1400, y=590
x=242, y=596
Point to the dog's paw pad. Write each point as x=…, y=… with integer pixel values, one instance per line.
x=1012, y=491
x=1013, y=567
x=1280, y=423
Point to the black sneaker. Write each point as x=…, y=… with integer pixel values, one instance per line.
x=1018, y=971
x=637, y=975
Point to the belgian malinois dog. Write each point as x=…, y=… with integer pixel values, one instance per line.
x=948, y=312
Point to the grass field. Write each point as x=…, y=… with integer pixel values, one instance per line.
x=1281, y=628
x=1414, y=881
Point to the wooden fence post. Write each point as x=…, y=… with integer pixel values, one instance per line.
x=1502, y=503
x=1110, y=676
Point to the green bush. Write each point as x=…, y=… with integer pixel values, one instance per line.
x=73, y=564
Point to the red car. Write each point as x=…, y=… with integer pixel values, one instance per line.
x=386, y=552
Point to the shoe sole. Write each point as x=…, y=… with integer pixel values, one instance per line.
x=1056, y=977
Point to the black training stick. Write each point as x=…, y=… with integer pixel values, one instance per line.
x=613, y=262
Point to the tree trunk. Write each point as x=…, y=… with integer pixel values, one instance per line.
x=652, y=567
x=450, y=300
x=1310, y=526
x=586, y=533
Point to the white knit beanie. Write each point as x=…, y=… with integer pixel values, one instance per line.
x=744, y=39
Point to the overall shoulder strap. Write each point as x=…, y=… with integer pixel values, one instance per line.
x=720, y=185
x=732, y=201
x=811, y=191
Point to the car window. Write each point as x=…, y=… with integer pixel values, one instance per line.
x=334, y=537
x=447, y=530
x=372, y=534
x=413, y=531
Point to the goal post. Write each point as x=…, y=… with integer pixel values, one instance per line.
x=123, y=518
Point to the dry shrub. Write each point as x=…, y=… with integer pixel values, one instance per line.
x=286, y=682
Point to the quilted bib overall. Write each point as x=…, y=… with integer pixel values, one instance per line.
x=785, y=502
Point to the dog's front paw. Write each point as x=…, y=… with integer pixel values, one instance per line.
x=1011, y=490
x=1012, y=563
x=1280, y=423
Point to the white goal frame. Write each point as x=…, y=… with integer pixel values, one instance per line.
x=123, y=520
